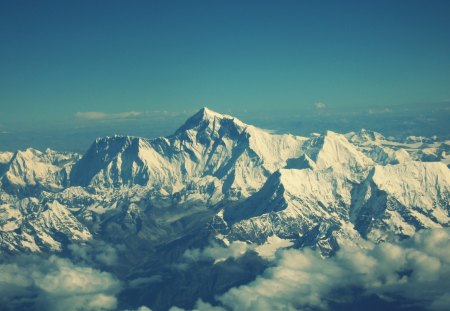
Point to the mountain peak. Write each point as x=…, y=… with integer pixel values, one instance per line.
x=206, y=116
x=205, y=111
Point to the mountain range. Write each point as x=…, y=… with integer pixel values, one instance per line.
x=219, y=180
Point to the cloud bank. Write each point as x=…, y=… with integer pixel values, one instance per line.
x=55, y=284
x=416, y=271
x=217, y=252
x=95, y=253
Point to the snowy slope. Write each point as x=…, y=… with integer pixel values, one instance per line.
x=308, y=206
x=334, y=152
x=5, y=156
x=393, y=150
x=401, y=199
x=313, y=206
x=30, y=225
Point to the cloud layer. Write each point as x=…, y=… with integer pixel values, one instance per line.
x=55, y=284
x=416, y=270
x=217, y=252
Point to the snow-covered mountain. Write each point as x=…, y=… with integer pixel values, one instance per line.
x=31, y=225
x=30, y=170
x=401, y=199
x=207, y=145
x=231, y=181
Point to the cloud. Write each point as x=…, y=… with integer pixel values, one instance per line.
x=55, y=283
x=381, y=110
x=415, y=270
x=217, y=252
x=141, y=308
x=97, y=115
x=201, y=306
x=96, y=252
x=145, y=281
x=320, y=105
x=102, y=116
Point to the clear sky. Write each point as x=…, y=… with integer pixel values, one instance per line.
x=62, y=60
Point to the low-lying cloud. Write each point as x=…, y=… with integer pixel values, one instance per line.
x=217, y=252
x=95, y=252
x=416, y=271
x=54, y=283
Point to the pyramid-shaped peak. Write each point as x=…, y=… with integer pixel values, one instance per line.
x=208, y=116
x=205, y=110
x=331, y=134
x=334, y=150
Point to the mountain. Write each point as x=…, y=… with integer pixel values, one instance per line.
x=334, y=152
x=230, y=180
x=293, y=205
x=321, y=208
x=205, y=209
x=30, y=170
x=30, y=225
x=207, y=145
x=401, y=199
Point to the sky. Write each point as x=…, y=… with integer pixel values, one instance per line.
x=72, y=64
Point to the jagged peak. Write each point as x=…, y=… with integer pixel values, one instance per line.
x=116, y=137
x=372, y=134
x=28, y=151
x=208, y=116
x=334, y=150
x=364, y=135
x=27, y=155
x=5, y=156
x=330, y=137
x=111, y=146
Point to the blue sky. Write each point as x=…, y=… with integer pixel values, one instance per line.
x=61, y=59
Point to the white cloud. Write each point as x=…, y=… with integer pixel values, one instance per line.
x=320, y=105
x=97, y=115
x=101, y=116
x=200, y=306
x=381, y=110
x=95, y=252
x=236, y=249
x=56, y=284
x=415, y=270
x=217, y=252
x=141, y=308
